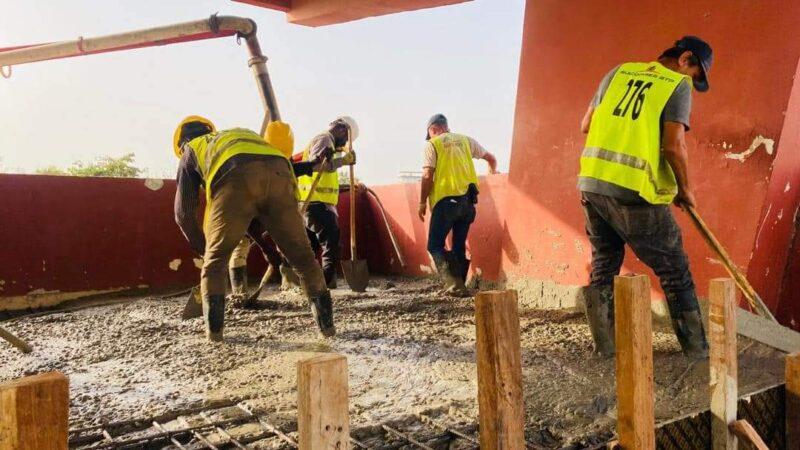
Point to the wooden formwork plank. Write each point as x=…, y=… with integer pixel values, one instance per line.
x=767, y=332
x=635, y=409
x=323, y=418
x=34, y=413
x=723, y=377
x=501, y=411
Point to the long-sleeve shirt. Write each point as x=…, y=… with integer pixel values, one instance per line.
x=190, y=181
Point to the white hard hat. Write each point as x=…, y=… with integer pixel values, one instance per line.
x=350, y=123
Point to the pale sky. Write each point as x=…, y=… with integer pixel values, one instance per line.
x=391, y=73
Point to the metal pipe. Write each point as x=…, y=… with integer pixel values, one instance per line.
x=213, y=27
x=258, y=63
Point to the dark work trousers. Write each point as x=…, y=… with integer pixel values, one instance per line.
x=650, y=231
x=262, y=239
x=454, y=214
x=323, y=232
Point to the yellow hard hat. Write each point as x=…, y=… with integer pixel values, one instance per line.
x=176, y=137
x=280, y=136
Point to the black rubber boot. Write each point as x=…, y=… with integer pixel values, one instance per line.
x=322, y=310
x=600, y=315
x=214, y=314
x=238, y=276
x=450, y=274
x=444, y=270
x=465, y=263
x=688, y=324
x=330, y=276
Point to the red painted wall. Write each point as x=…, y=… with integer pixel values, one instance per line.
x=76, y=234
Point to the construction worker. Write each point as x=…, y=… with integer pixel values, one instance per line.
x=450, y=186
x=244, y=178
x=321, y=217
x=634, y=164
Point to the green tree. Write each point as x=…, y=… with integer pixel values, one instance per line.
x=106, y=166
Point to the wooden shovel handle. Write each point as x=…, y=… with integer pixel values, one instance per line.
x=747, y=289
x=352, y=202
x=311, y=192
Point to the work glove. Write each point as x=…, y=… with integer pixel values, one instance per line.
x=349, y=158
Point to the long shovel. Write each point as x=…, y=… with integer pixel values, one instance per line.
x=355, y=271
x=749, y=293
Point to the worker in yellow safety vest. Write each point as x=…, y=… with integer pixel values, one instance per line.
x=321, y=218
x=450, y=185
x=244, y=178
x=634, y=164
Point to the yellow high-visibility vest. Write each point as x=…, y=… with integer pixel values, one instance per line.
x=213, y=149
x=624, y=142
x=455, y=170
x=328, y=187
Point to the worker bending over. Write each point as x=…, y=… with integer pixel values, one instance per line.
x=450, y=186
x=634, y=164
x=244, y=178
x=321, y=218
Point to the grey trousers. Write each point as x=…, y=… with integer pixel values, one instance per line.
x=650, y=231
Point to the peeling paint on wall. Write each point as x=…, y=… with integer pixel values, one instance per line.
x=758, y=141
x=175, y=264
x=198, y=262
x=154, y=184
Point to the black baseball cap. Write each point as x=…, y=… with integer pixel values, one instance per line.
x=704, y=54
x=435, y=119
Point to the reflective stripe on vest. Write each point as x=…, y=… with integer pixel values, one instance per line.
x=455, y=170
x=328, y=187
x=624, y=142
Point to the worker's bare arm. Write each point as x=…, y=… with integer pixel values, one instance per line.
x=426, y=185
x=677, y=155
x=492, y=161
x=587, y=120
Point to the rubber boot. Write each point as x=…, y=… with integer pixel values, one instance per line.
x=322, y=310
x=330, y=276
x=600, y=315
x=238, y=277
x=465, y=263
x=214, y=314
x=688, y=324
x=444, y=271
x=289, y=279
x=457, y=271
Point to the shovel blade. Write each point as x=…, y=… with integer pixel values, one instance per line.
x=356, y=273
x=194, y=305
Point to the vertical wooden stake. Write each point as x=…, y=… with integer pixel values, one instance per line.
x=323, y=418
x=635, y=410
x=723, y=378
x=34, y=413
x=793, y=400
x=502, y=416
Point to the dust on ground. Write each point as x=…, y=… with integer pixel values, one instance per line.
x=408, y=351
